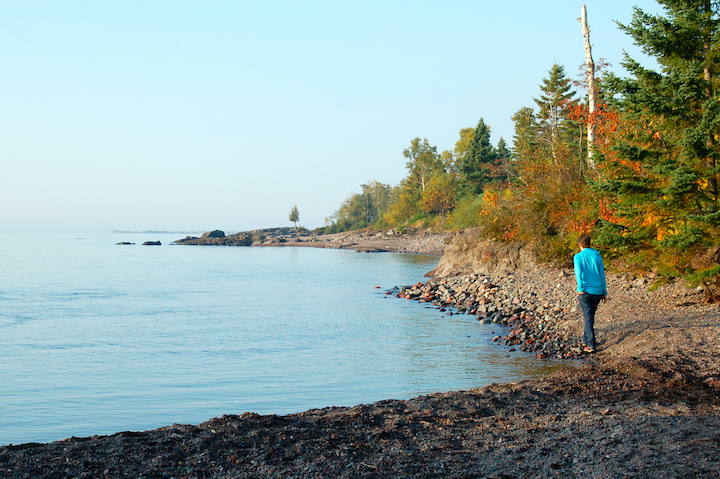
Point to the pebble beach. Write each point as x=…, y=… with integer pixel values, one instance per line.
x=647, y=404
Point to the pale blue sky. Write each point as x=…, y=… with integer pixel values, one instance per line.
x=180, y=115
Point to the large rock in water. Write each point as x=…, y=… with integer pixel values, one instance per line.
x=218, y=238
x=467, y=253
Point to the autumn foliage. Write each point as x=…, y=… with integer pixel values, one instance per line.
x=650, y=195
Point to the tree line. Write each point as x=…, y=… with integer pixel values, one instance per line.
x=650, y=193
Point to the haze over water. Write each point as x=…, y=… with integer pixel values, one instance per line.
x=97, y=338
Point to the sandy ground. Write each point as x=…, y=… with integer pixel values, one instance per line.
x=646, y=405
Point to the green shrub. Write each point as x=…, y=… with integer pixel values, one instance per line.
x=466, y=213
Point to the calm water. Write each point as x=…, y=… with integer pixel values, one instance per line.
x=97, y=338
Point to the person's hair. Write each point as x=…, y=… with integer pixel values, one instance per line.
x=584, y=241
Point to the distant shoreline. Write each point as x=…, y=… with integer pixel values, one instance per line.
x=154, y=232
x=421, y=241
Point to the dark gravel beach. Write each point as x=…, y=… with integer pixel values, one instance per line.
x=646, y=405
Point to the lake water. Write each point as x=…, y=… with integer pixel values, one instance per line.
x=97, y=338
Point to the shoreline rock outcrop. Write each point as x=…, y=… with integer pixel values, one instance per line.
x=217, y=238
x=410, y=241
x=467, y=253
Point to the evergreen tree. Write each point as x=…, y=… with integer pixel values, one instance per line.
x=556, y=93
x=525, y=140
x=475, y=166
x=526, y=132
x=504, y=164
x=662, y=172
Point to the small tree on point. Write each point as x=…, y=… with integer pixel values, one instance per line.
x=294, y=215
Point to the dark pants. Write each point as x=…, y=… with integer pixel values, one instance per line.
x=589, y=304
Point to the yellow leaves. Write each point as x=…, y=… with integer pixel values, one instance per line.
x=672, y=229
x=402, y=208
x=653, y=221
x=649, y=220
x=490, y=201
x=663, y=227
x=490, y=197
x=439, y=196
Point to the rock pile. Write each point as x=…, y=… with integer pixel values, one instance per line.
x=535, y=316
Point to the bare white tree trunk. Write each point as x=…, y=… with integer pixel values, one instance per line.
x=592, y=102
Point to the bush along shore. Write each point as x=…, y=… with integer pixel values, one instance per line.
x=536, y=318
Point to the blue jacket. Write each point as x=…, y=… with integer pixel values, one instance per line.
x=590, y=272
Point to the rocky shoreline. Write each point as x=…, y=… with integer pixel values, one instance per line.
x=534, y=315
x=412, y=241
x=392, y=241
x=647, y=405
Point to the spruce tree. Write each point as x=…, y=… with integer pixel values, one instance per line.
x=661, y=173
x=475, y=166
x=504, y=165
x=525, y=139
x=556, y=94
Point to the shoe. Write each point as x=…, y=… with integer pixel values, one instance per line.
x=588, y=349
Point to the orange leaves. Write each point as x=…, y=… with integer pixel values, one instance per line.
x=649, y=220
x=511, y=234
x=606, y=212
x=490, y=197
x=635, y=165
x=605, y=120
